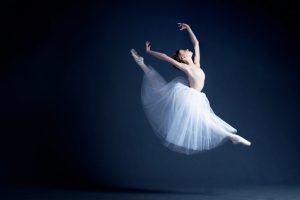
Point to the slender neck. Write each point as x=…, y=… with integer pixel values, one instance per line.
x=189, y=61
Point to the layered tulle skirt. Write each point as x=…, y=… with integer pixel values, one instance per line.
x=181, y=116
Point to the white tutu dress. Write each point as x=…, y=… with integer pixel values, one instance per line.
x=181, y=116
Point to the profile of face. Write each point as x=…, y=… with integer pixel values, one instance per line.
x=184, y=54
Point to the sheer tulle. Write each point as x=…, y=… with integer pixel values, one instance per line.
x=181, y=116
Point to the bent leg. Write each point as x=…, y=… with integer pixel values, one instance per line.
x=232, y=136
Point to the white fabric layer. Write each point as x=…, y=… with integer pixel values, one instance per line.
x=181, y=116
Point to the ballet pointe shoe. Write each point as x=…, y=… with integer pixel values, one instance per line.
x=138, y=59
x=236, y=139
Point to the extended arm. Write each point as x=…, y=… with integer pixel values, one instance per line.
x=164, y=57
x=194, y=42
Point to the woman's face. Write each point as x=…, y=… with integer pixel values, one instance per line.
x=185, y=54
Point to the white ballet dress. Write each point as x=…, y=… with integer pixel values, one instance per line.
x=181, y=116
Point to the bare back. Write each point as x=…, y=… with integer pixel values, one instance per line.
x=196, y=77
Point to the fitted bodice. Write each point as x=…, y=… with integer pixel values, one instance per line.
x=196, y=77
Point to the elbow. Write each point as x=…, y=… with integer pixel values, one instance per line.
x=196, y=43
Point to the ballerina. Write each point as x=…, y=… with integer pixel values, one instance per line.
x=178, y=111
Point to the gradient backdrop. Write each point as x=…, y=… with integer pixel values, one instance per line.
x=71, y=114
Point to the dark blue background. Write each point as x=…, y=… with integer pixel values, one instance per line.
x=71, y=114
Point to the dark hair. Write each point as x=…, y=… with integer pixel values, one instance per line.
x=176, y=57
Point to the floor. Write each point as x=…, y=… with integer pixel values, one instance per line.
x=237, y=193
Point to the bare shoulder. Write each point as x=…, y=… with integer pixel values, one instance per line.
x=184, y=67
x=195, y=66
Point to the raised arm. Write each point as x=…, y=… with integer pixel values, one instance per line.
x=164, y=57
x=194, y=42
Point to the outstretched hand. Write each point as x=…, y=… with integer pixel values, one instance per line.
x=183, y=26
x=148, y=46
